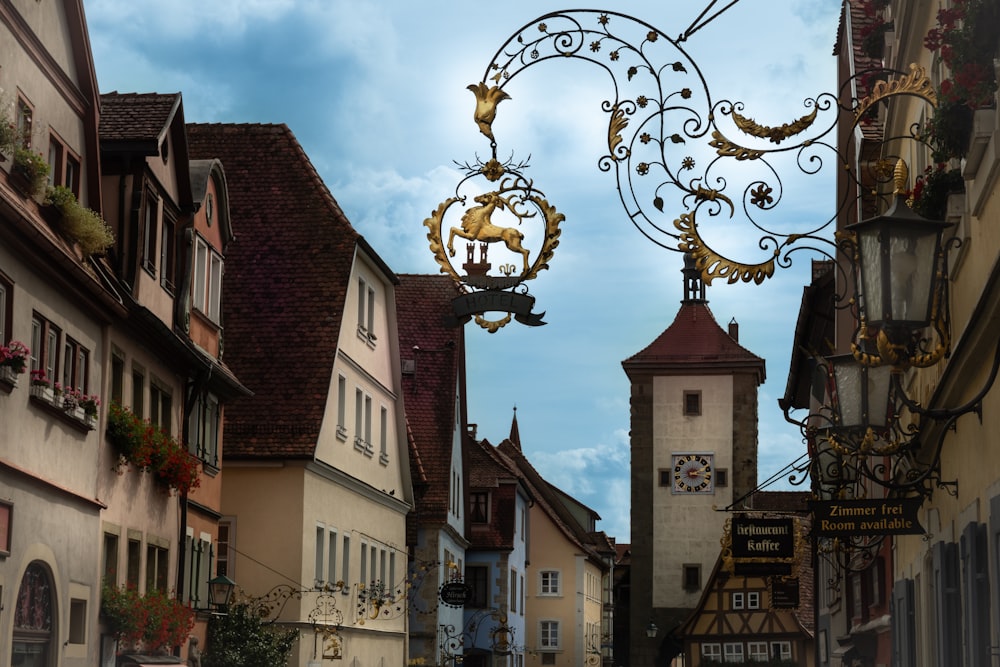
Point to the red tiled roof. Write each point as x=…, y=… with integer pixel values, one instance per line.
x=694, y=340
x=137, y=116
x=488, y=469
x=287, y=273
x=429, y=392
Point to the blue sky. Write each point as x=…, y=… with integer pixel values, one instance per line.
x=376, y=93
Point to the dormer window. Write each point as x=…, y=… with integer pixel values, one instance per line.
x=207, y=283
x=366, y=312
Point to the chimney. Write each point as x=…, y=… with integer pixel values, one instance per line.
x=734, y=330
x=472, y=430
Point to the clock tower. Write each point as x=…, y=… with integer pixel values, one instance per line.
x=694, y=452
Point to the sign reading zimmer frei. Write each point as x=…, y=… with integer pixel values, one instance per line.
x=886, y=516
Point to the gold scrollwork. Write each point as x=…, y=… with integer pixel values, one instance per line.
x=713, y=265
x=775, y=134
x=915, y=83
x=726, y=148
x=618, y=123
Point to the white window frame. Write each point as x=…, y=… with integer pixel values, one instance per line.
x=383, y=455
x=732, y=652
x=738, y=601
x=753, y=600
x=331, y=557
x=549, y=583
x=781, y=650
x=549, y=635
x=341, y=407
x=712, y=651
x=757, y=651
x=206, y=286
x=319, y=567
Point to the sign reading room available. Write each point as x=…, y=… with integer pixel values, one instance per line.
x=888, y=516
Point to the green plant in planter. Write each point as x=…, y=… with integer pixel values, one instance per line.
x=33, y=168
x=79, y=223
x=10, y=138
x=930, y=192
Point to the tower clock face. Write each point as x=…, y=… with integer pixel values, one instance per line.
x=693, y=473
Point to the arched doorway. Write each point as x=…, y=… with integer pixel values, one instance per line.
x=33, y=619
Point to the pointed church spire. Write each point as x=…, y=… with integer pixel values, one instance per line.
x=694, y=286
x=515, y=435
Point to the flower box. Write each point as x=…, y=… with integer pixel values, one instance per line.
x=8, y=376
x=44, y=393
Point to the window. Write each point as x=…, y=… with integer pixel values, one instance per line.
x=366, y=311
x=757, y=651
x=692, y=403
x=513, y=590
x=203, y=429
x=138, y=391
x=383, y=456
x=197, y=572
x=44, y=347
x=117, y=375
x=110, y=567
x=738, y=601
x=548, y=635
x=74, y=369
x=25, y=117
x=77, y=621
x=64, y=166
x=733, y=651
x=548, y=582
x=477, y=578
x=392, y=567
x=160, y=404
x=6, y=309
x=721, y=477
x=167, y=250
x=753, y=600
x=341, y=407
x=364, y=564
x=383, y=563
x=132, y=565
x=781, y=650
x=223, y=556
x=206, y=285
x=345, y=570
x=692, y=577
x=479, y=507
x=368, y=423
x=373, y=560
x=331, y=558
x=548, y=658
x=150, y=215
x=320, y=544
x=711, y=652
x=156, y=568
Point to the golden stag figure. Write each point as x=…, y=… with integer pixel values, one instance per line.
x=477, y=226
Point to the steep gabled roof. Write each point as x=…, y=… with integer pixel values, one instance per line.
x=431, y=354
x=694, y=341
x=137, y=117
x=287, y=273
x=488, y=468
x=546, y=498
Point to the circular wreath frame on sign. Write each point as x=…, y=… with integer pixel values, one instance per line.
x=517, y=205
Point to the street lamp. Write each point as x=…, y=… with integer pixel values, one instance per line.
x=900, y=258
x=220, y=592
x=651, y=630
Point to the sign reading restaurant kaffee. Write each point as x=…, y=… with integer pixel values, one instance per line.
x=763, y=538
x=887, y=516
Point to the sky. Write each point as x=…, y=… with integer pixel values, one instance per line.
x=376, y=93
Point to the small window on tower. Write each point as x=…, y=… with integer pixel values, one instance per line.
x=692, y=577
x=721, y=477
x=692, y=403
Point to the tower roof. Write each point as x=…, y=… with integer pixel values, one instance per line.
x=694, y=342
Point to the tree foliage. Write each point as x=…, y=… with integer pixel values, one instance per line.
x=243, y=639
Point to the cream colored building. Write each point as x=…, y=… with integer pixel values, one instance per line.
x=317, y=483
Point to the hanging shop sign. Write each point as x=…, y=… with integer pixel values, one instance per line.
x=455, y=594
x=762, y=546
x=785, y=593
x=887, y=516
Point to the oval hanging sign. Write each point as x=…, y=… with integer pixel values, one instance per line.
x=455, y=594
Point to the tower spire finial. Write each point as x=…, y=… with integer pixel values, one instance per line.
x=694, y=286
